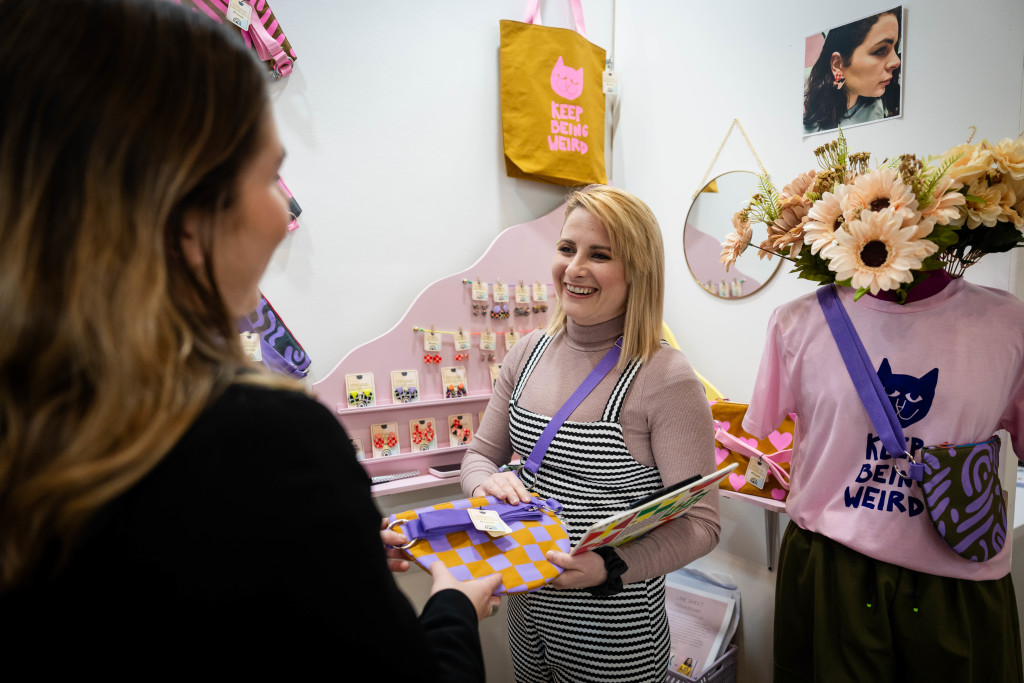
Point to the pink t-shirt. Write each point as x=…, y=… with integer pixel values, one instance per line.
x=957, y=358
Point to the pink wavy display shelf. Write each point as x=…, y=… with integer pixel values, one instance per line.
x=521, y=252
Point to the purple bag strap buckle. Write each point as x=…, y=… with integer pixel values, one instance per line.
x=865, y=381
x=593, y=379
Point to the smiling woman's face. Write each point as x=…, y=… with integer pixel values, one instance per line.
x=590, y=279
x=873, y=61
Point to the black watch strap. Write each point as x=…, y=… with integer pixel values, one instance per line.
x=615, y=567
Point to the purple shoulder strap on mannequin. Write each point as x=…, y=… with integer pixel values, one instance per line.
x=593, y=379
x=865, y=379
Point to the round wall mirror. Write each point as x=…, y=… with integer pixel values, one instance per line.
x=707, y=224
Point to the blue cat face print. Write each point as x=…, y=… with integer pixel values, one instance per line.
x=911, y=397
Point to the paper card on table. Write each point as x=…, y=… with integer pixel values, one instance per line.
x=698, y=624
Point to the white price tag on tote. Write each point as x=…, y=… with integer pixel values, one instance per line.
x=757, y=472
x=238, y=13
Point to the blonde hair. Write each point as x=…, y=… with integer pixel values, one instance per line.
x=635, y=239
x=112, y=345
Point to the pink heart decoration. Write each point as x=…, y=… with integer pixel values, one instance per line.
x=737, y=481
x=723, y=424
x=780, y=440
x=752, y=442
x=778, y=494
x=720, y=455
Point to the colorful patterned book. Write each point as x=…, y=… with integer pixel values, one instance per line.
x=650, y=512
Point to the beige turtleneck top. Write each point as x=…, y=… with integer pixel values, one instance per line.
x=665, y=419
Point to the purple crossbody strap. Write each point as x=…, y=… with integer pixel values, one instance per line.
x=592, y=380
x=865, y=379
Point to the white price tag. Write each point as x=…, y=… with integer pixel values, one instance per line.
x=238, y=12
x=757, y=472
x=489, y=521
x=251, y=346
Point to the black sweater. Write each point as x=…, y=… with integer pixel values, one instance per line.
x=254, y=543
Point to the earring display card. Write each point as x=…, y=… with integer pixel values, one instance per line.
x=480, y=290
x=357, y=446
x=462, y=341
x=422, y=434
x=405, y=386
x=511, y=337
x=487, y=340
x=384, y=438
x=453, y=382
x=432, y=341
x=500, y=293
x=495, y=372
x=522, y=293
x=540, y=292
x=359, y=389
x=460, y=429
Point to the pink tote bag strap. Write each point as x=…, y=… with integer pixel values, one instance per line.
x=772, y=460
x=266, y=47
x=533, y=15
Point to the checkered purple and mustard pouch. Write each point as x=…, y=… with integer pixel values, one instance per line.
x=444, y=532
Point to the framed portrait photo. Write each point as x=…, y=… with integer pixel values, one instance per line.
x=853, y=73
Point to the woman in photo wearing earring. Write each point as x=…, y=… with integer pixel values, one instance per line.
x=856, y=76
x=646, y=425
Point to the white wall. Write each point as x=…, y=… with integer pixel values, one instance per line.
x=392, y=125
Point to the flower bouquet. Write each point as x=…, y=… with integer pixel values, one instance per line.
x=885, y=229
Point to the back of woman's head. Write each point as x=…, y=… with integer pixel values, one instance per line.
x=119, y=117
x=635, y=239
x=824, y=105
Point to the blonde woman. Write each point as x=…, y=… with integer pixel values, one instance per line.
x=645, y=426
x=157, y=496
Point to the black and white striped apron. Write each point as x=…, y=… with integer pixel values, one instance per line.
x=570, y=636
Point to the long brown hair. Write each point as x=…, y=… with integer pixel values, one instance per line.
x=636, y=239
x=118, y=118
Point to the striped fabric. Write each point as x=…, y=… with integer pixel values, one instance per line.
x=569, y=636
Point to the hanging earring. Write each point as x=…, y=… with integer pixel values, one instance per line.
x=840, y=80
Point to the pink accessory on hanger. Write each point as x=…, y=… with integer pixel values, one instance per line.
x=771, y=460
x=267, y=48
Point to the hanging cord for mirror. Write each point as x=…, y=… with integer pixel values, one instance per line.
x=735, y=122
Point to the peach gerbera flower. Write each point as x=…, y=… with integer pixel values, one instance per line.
x=881, y=189
x=824, y=218
x=800, y=185
x=943, y=209
x=976, y=160
x=990, y=206
x=1017, y=210
x=787, y=230
x=736, y=242
x=1009, y=157
x=876, y=252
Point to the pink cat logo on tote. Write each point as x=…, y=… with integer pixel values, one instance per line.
x=567, y=127
x=566, y=81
